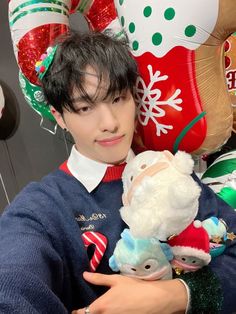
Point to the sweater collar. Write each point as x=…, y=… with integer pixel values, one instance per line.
x=90, y=172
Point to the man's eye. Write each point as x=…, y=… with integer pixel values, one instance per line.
x=116, y=99
x=84, y=109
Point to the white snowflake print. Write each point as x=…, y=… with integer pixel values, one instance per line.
x=150, y=103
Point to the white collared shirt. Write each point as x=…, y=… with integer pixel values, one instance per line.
x=89, y=172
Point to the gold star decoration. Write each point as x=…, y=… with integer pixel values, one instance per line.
x=231, y=236
x=178, y=271
x=216, y=239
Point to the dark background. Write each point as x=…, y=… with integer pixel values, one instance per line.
x=32, y=152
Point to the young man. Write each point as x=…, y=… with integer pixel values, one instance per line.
x=45, y=233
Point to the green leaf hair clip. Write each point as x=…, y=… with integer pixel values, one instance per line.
x=45, y=61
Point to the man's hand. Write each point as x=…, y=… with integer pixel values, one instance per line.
x=133, y=296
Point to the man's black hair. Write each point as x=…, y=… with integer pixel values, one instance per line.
x=108, y=56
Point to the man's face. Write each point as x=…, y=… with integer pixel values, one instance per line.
x=103, y=131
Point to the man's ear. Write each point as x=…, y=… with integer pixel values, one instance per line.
x=58, y=117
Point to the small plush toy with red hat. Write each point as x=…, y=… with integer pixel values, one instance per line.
x=191, y=248
x=217, y=232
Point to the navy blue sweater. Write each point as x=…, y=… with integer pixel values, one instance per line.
x=42, y=255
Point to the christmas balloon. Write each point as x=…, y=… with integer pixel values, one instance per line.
x=9, y=112
x=2, y=101
x=182, y=95
x=221, y=177
x=230, y=68
x=36, y=24
x=34, y=97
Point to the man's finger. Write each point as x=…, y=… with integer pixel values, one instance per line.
x=99, y=279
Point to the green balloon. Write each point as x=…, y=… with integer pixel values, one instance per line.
x=34, y=97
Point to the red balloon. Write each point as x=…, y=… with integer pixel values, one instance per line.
x=34, y=44
x=160, y=102
x=101, y=14
x=182, y=95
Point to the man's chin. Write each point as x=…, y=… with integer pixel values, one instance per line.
x=116, y=161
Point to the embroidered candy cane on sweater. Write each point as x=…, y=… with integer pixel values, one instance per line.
x=100, y=242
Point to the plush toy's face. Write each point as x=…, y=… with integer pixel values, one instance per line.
x=152, y=164
x=150, y=269
x=187, y=263
x=142, y=164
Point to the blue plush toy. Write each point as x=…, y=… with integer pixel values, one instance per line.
x=217, y=232
x=141, y=258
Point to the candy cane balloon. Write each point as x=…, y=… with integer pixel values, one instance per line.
x=182, y=95
x=35, y=25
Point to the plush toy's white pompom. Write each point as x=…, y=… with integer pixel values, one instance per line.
x=197, y=223
x=183, y=193
x=183, y=162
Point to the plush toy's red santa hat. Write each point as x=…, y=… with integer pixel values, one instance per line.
x=192, y=241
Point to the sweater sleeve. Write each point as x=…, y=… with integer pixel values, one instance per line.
x=213, y=288
x=30, y=268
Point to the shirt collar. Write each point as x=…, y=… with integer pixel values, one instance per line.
x=89, y=172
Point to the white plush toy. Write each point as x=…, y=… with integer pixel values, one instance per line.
x=160, y=197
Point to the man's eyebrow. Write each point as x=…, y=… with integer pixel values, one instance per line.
x=82, y=99
x=79, y=99
x=91, y=99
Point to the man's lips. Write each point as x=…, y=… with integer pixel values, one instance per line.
x=110, y=141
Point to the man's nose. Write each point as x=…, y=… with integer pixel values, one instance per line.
x=108, y=118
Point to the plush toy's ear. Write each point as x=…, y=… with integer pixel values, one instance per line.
x=125, y=233
x=167, y=251
x=215, y=220
x=112, y=263
x=128, y=240
x=183, y=162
